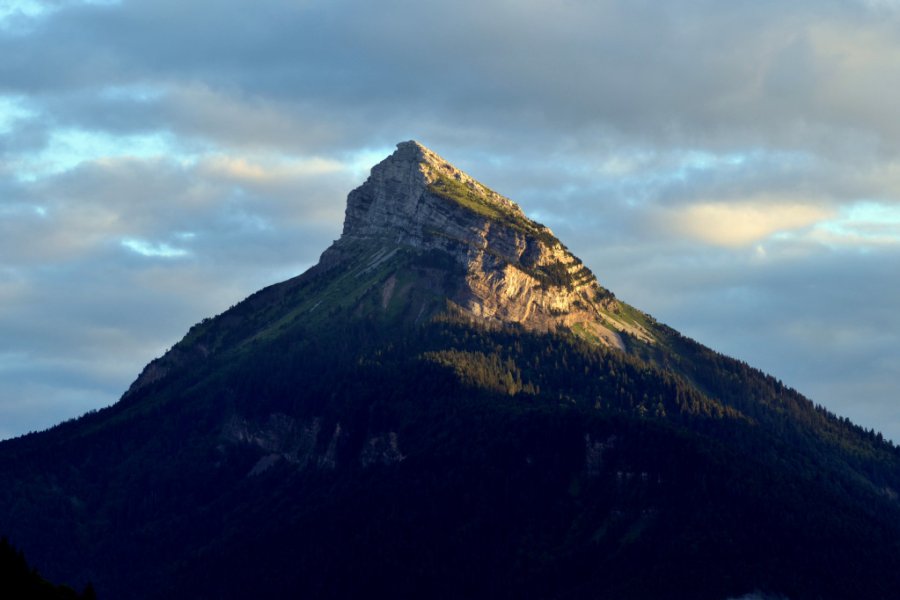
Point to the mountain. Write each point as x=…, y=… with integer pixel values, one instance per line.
x=426, y=233
x=449, y=404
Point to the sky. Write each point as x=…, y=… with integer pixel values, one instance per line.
x=732, y=168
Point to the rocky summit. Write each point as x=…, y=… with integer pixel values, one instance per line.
x=512, y=269
x=449, y=405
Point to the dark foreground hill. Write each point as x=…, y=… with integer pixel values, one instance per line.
x=18, y=581
x=451, y=406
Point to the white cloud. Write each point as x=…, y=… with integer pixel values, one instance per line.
x=269, y=169
x=66, y=149
x=153, y=249
x=882, y=5
x=12, y=109
x=863, y=225
x=13, y=10
x=743, y=222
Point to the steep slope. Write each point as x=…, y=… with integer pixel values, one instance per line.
x=450, y=405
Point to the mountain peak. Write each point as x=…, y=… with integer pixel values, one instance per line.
x=508, y=267
x=414, y=151
x=391, y=201
x=435, y=168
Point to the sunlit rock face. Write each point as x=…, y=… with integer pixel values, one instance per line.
x=512, y=268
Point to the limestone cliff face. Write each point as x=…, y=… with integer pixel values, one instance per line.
x=515, y=269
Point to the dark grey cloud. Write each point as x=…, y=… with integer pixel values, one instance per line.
x=702, y=72
x=732, y=168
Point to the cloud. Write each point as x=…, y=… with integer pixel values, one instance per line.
x=742, y=223
x=864, y=224
x=153, y=249
x=326, y=72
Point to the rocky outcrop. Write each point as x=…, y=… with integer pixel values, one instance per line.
x=515, y=270
x=281, y=437
x=381, y=450
x=297, y=442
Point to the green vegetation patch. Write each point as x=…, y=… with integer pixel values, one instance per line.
x=554, y=274
x=485, y=371
x=582, y=332
x=456, y=191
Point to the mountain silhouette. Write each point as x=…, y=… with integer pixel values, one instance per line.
x=451, y=405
